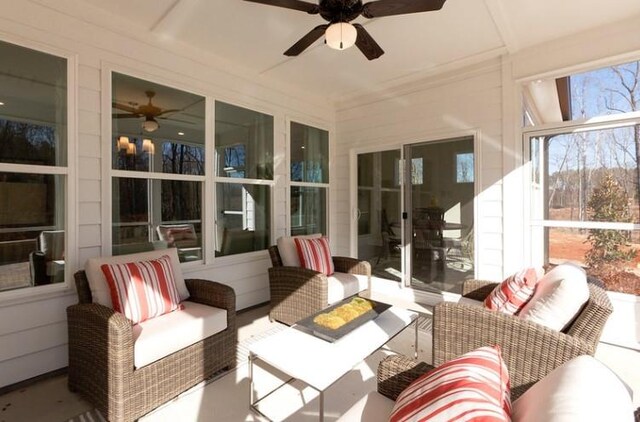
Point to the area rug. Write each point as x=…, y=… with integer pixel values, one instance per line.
x=242, y=358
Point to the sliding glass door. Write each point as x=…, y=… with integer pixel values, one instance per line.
x=440, y=180
x=436, y=241
x=379, y=212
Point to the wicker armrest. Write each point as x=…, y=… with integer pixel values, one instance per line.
x=396, y=372
x=477, y=289
x=100, y=343
x=296, y=293
x=212, y=293
x=344, y=264
x=530, y=350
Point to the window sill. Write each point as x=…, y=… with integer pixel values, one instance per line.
x=35, y=294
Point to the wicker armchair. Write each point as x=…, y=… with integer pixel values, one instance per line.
x=299, y=292
x=101, y=354
x=530, y=350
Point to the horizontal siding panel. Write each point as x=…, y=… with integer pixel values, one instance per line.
x=89, y=100
x=34, y=364
x=89, y=77
x=89, y=213
x=89, y=235
x=251, y=299
x=88, y=122
x=89, y=145
x=40, y=338
x=26, y=316
x=88, y=252
x=89, y=168
x=89, y=190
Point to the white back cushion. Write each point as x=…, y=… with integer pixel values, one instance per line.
x=98, y=283
x=158, y=337
x=582, y=389
x=558, y=298
x=287, y=249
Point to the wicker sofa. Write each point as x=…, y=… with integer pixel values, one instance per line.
x=299, y=292
x=101, y=354
x=530, y=350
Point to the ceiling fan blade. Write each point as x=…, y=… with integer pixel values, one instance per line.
x=380, y=8
x=306, y=41
x=173, y=110
x=367, y=44
x=125, y=116
x=302, y=6
x=124, y=107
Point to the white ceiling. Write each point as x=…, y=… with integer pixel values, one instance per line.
x=255, y=36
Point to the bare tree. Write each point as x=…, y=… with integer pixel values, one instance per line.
x=628, y=77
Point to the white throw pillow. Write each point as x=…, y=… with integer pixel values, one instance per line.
x=558, y=298
x=287, y=249
x=582, y=389
x=98, y=282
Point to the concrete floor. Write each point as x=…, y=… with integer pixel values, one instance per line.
x=226, y=399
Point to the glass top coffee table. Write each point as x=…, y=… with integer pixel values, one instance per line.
x=319, y=363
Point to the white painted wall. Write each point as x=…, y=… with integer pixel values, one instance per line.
x=33, y=332
x=464, y=102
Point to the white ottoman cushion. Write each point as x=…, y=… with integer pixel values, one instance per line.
x=343, y=285
x=582, y=389
x=161, y=336
x=558, y=298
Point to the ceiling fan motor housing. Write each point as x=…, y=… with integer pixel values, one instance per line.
x=340, y=10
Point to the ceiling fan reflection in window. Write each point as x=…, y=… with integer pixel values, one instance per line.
x=339, y=33
x=149, y=111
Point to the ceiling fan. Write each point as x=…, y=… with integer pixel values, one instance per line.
x=339, y=32
x=148, y=111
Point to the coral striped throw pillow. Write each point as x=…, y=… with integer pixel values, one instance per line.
x=142, y=290
x=474, y=386
x=315, y=254
x=514, y=292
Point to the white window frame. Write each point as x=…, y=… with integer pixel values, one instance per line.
x=215, y=179
x=535, y=254
x=37, y=293
x=291, y=183
x=109, y=173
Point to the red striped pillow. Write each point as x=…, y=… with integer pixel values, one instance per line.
x=142, y=290
x=514, y=292
x=315, y=254
x=474, y=386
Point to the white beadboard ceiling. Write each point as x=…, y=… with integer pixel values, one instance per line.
x=254, y=36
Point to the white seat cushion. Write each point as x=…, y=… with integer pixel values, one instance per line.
x=558, y=298
x=466, y=301
x=373, y=407
x=582, y=389
x=343, y=285
x=161, y=336
x=287, y=249
x=98, y=283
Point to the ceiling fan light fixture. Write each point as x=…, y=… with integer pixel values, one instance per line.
x=150, y=125
x=340, y=35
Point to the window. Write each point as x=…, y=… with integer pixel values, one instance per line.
x=243, y=179
x=585, y=196
x=309, y=157
x=33, y=167
x=158, y=168
x=464, y=167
